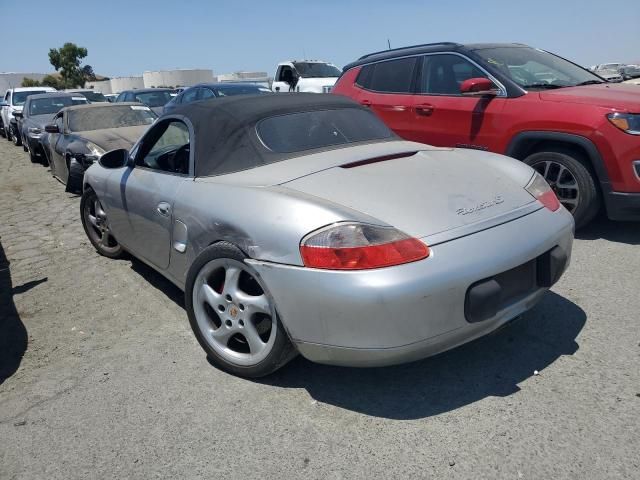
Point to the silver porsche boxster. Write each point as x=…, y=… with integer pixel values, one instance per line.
x=301, y=224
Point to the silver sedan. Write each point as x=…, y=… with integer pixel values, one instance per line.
x=301, y=224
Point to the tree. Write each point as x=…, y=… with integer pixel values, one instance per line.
x=30, y=82
x=51, y=81
x=66, y=61
x=87, y=73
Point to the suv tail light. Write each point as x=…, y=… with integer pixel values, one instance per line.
x=356, y=246
x=541, y=191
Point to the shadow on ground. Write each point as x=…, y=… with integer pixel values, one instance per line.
x=620, y=232
x=158, y=281
x=491, y=366
x=13, y=334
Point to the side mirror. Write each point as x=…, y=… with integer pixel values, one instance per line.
x=480, y=87
x=115, y=159
x=17, y=114
x=52, y=128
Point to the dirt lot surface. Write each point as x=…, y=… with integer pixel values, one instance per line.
x=101, y=377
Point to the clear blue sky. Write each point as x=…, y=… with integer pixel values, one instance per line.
x=128, y=37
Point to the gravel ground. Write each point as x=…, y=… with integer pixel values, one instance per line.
x=101, y=377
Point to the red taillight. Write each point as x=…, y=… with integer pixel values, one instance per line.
x=359, y=247
x=541, y=191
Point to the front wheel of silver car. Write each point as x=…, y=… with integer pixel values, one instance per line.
x=96, y=226
x=233, y=315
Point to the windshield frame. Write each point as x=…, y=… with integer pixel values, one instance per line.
x=26, y=93
x=479, y=55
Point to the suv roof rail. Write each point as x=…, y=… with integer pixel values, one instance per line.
x=449, y=44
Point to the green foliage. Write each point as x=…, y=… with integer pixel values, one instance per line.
x=66, y=61
x=30, y=82
x=51, y=81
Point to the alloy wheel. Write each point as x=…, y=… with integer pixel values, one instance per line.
x=234, y=313
x=562, y=182
x=96, y=219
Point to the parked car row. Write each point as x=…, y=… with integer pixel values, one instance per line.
x=336, y=226
x=618, y=72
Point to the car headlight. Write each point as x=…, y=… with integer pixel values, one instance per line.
x=95, y=152
x=627, y=122
x=35, y=131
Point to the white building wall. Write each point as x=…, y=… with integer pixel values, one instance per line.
x=173, y=78
x=103, y=86
x=118, y=84
x=14, y=79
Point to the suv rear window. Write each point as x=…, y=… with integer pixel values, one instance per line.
x=297, y=132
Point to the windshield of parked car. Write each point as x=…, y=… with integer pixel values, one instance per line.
x=297, y=132
x=20, y=97
x=536, y=69
x=94, y=97
x=52, y=104
x=154, y=99
x=227, y=91
x=110, y=116
x=316, y=69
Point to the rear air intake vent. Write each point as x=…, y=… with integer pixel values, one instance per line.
x=384, y=158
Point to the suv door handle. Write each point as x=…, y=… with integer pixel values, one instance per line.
x=424, y=110
x=365, y=103
x=164, y=209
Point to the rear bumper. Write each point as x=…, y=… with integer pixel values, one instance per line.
x=622, y=206
x=404, y=313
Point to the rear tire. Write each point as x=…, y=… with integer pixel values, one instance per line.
x=572, y=182
x=235, y=332
x=96, y=226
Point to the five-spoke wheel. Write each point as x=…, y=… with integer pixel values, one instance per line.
x=96, y=225
x=233, y=315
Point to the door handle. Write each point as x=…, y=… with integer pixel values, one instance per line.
x=365, y=103
x=164, y=209
x=424, y=110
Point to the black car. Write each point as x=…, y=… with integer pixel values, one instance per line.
x=77, y=136
x=154, y=98
x=204, y=91
x=37, y=112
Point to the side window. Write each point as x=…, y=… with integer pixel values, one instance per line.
x=364, y=77
x=286, y=74
x=130, y=97
x=120, y=98
x=166, y=148
x=393, y=76
x=443, y=74
x=190, y=95
x=206, y=93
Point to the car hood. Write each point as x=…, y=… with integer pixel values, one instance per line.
x=157, y=110
x=114, y=138
x=610, y=95
x=428, y=192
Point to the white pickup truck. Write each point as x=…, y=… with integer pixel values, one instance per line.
x=305, y=76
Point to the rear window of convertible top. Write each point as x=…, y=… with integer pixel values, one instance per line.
x=300, y=131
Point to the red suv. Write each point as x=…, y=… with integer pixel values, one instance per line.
x=580, y=132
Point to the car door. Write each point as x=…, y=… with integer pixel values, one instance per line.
x=141, y=198
x=442, y=116
x=284, y=78
x=387, y=89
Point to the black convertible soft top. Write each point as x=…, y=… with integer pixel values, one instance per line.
x=225, y=136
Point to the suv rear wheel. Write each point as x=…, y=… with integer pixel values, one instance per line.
x=571, y=181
